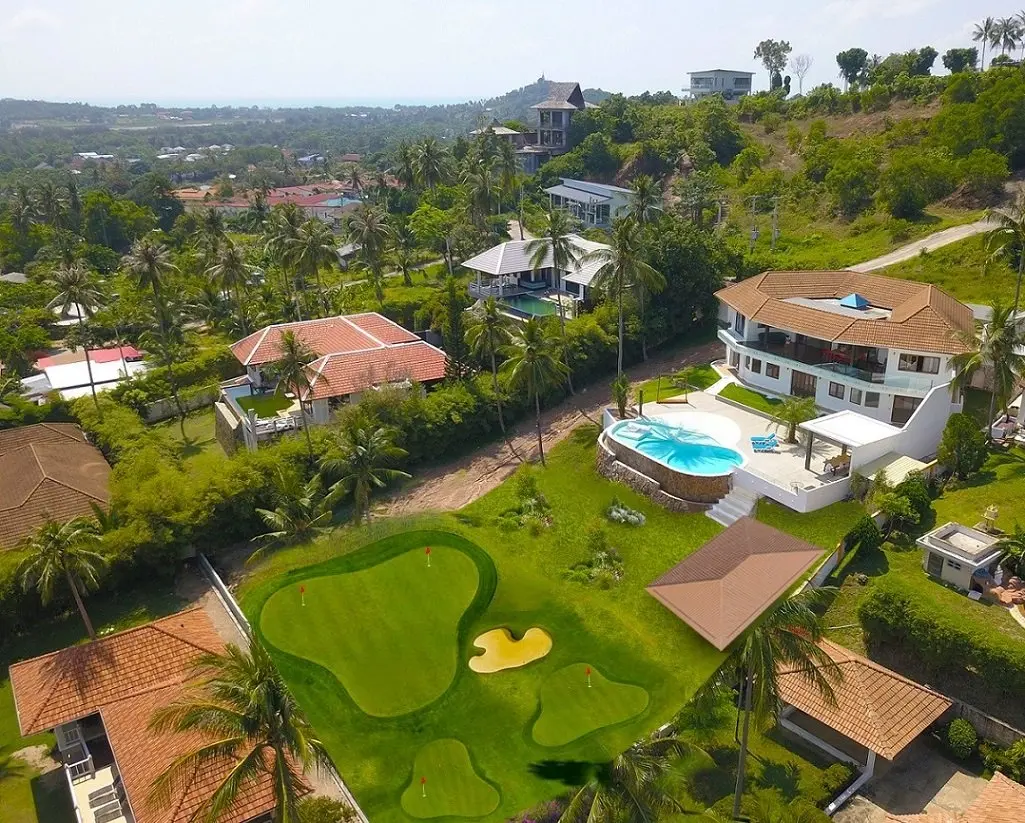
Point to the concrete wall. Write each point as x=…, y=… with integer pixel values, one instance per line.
x=227, y=428
x=165, y=409
x=962, y=578
x=988, y=728
x=922, y=432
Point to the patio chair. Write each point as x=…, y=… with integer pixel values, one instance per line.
x=770, y=436
x=763, y=445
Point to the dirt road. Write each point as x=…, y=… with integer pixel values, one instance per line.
x=930, y=243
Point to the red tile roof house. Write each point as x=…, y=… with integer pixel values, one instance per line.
x=355, y=353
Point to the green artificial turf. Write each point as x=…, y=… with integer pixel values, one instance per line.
x=575, y=703
x=444, y=783
x=825, y=527
x=751, y=399
x=388, y=633
x=662, y=388
x=265, y=405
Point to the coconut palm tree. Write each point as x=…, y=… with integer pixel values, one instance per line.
x=792, y=412
x=77, y=293
x=996, y=347
x=533, y=366
x=405, y=165
x=149, y=263
x=555, y=247
x=621, y=268
x=1006, y=35
x=786, y=638
x=430, y=162
x=508, y=166
x=239, y=708
x=212, y=233
x=232, y=274
x=1013, y=546
x=168, y=348
x=298, y=515
x=402, y=251
x=64, y=553
x=644, y=207
x=22, y=210
x=313, y=248
x=633, y=788
x=280, y=234
x=293, y=374
x=479, y=180
x=1008, y=236
x=983, y=34
x=488, y=334
x=368, y=228
x=52, y=204
x=363, y=460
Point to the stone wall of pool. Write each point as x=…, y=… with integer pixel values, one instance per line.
x=670, y=489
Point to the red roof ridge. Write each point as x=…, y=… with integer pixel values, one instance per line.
x=47, y=476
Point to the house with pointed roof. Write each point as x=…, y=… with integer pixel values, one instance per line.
x=554, y=116
x=854, y=342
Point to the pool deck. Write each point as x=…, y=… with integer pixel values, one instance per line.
x=784, y=466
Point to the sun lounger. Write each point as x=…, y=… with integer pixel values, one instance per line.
x=766, y=438
x=763, y=445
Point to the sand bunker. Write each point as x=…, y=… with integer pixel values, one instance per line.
x=503, y=651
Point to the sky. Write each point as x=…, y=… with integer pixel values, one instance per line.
x=272, y=52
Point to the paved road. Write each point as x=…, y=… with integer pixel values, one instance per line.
x=930, y=243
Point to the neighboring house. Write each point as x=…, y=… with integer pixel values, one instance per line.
x=554, y=116
x=504, y=271
x=328, y=201
x=960, y=555
x=68, y=372
x=1000, y=801
x=501, y=132
x=48, y=471
x=731, y=85
x=98, y=699
x=876, y=345
x=354, y=353
x=593, y=204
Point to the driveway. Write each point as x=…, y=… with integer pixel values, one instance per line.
x=930, y=243
x=920, y=780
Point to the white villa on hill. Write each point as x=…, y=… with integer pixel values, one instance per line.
x=593, y=204
x=732, y=85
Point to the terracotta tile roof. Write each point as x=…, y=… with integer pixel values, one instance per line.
x=125, y=677
x=55, y=475
x=922, y=317
x=728, y=583
x=1001, y=801
x=381, y=328
x=874, y=706
x=340, y=374
x=11, y=439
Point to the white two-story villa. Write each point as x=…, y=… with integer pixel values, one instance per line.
x=861, y=342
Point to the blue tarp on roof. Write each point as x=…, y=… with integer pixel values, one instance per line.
x=854, y=301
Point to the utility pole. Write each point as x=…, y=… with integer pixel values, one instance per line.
x=754, y=225
x=775, y=221
x=721, y=203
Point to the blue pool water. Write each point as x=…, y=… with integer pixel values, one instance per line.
x=686, y=451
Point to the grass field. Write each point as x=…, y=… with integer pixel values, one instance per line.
x=964, y=269
x=265, y=405
x=444, y=783
x=200, y=437
x=659, y=389
x=751, y=399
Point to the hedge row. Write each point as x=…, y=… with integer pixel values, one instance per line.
x=207, y=367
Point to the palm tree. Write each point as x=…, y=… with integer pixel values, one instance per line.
x=313, y=248
x=983, y=34
x=405, y=166
x=76, y=292
x=479, y=180
x=995, y=346
x=149, y=263
x=355, y=180
x=64, y=552
x=431, y=162
x=402, y=251
x=1006, y=35
x=212, y=233
x=52, y=204
x=792, y=412
x=22, y=210
x=168, y=348
x=243, y=710
x=555, y=247
x=232, y=274
x=293, y=373
x=487, y=335
x=368, y=228
x=280, y=235
x=532, y=365
x=1013, y=546
x=363, y=462
x=622, y=269
x=644, y=207
x=508, y=167
x=786, y=638
x=1009, y=236
x=634, y=787
x=298, y=515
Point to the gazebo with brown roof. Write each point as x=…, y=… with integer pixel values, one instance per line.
x=728, y=583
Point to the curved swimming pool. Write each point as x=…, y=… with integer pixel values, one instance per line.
x=682, y=449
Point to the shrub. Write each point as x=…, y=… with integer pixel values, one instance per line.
x=1010, y=761
x=618, y=513
x=961, y=738
x=603, y=567
x=837, y=777
x=963, y=447
x=325, y=810
x=864, y=536
x=915, y=490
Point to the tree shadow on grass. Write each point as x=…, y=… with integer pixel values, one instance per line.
x=785, y=777
x=567, y=772
x=712, y=781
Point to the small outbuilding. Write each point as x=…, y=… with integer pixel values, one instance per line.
x=960, y=555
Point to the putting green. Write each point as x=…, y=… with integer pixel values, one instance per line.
x=503, y=651
x=388, y=632
x=570, y=708
x=445, y=784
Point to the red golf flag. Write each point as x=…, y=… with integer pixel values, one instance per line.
x=588, y=671
x=302, y=590
x=427, y=550
x=423, y=780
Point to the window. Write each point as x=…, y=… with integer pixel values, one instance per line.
x=772, y=370
x=556, y=118
x=954, y=565
x=735, y=359
x=802, y=384
x=871, y=400
x=903, y=408
x=919, y=363
x=738, y=323
x=747, y=362
x=855, y=397
x=756, y=366
x=836, y=390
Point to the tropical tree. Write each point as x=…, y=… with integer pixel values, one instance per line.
x=479, y=180
x=212, y=233
x=167, y=348
x=621, y=268
x=63, y=554
x=368, y=228
x=792, y=412
x=634, y=788
x=52, y=204
x=313, y=248
x=431, y=162
x=298, y=515
x=786, y=639
x=996, y=347
x=402, y=251
x=555, y=247
x=644, y=207
x=280, y=238
x=983, y=34
x=232, y=274
x=405, y=165
x=1006, y=35
x=355, y=180
x=621, y=394
x=363, y=461
x=239, y=708
x=533, y=367
x=1008, y=237
x=149, y=263
x=76, y=293
x=1013, y=547
x=293, y=374
x=488, y=334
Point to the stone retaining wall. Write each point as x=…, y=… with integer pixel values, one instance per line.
x=685, y=486
x=611, y=468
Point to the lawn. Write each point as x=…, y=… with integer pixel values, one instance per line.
x=825, y=527
x=200, y=437
x=660, y=388
x=529, y=732
x=963, y=269
x=265, y=405
x=751, y=399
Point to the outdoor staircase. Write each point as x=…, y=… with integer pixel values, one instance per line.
x=738, y=503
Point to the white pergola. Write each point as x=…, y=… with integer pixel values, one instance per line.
x=848, y=430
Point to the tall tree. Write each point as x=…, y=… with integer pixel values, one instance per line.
x=457, y=365
x=52, y=204
x=786, y=638
x=1008, y=237
x=431, y=162
x=364, y=459
x=168, y=348
x=369, y=229
x=149, y=263
x=405, y=165
x=280, y=236
x=232, y=274
x=852, y=63
x=293, y=374
x=487, y=335
x=621, y=269
x=556, y=248
x=644, y=207
x=983, y=33
x=298, y=515
x=312, y=249
x=479, y=180
x=800, y=65
x=402, y=251
x=532, y=366
x=77, y=293
x=773, y=54
x=239, y=707
x=64, y=554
